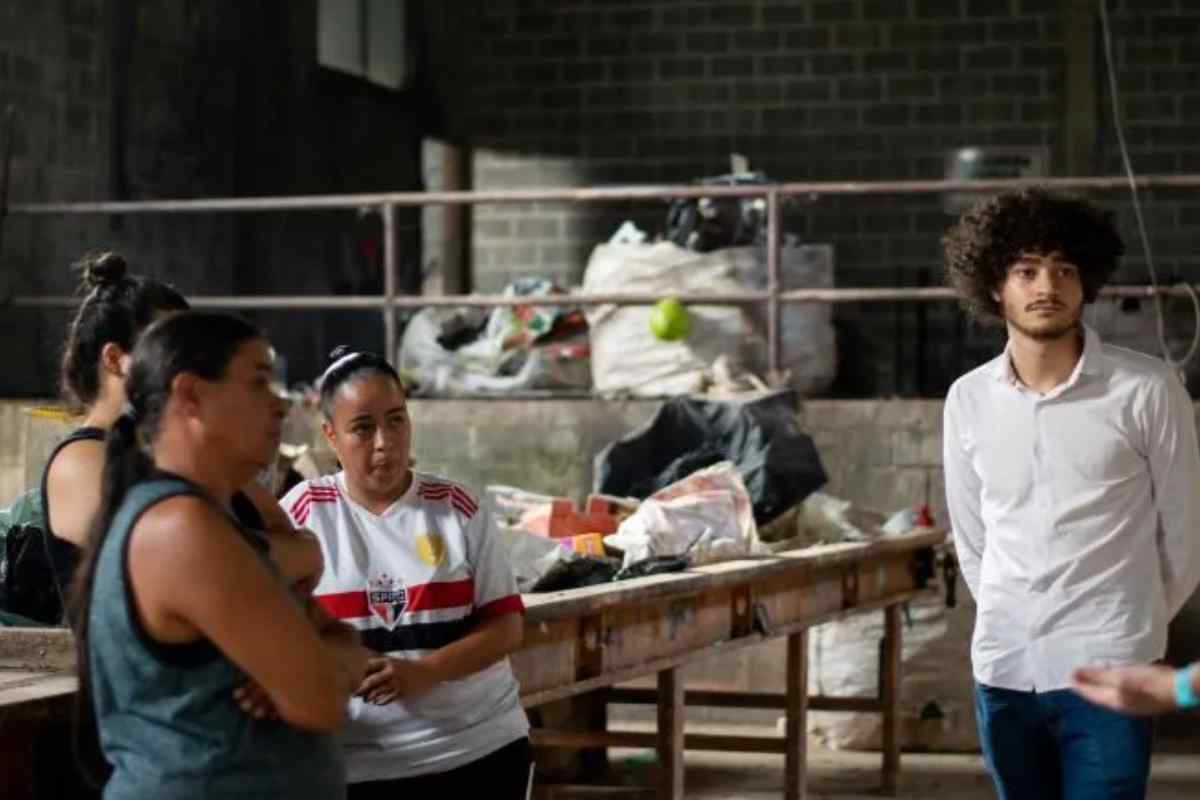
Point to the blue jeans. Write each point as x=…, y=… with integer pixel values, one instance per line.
x=1058, y=746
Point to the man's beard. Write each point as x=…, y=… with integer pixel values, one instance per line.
x=1049, y=333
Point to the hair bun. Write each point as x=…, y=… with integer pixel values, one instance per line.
x=101, y=269
x=338, y=353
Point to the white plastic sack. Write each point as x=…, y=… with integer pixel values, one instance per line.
x=693, y=524
x=531, y=555
x=808, y=343
x=626, y=357
x=625, y=354
x=936, y=706
x=831, y=519
x=707, y=515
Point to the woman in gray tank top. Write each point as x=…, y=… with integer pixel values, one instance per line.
x=176, y=605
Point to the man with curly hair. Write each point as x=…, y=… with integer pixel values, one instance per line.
x=1072, y=476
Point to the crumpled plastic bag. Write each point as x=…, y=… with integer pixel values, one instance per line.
x=831, y=519
x=707, y=517
x=457, y=351
x=531, y=556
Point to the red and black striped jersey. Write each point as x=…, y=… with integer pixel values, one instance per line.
x=415, y=578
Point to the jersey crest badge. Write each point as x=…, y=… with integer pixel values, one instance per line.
x=387, y=599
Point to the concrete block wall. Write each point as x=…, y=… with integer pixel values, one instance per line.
x=12, y=451
x=576, y=92
x=883, y=454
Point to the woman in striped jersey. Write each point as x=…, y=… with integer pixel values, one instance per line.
x=409, y=562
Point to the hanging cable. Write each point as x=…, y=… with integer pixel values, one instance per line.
x=1137, y=212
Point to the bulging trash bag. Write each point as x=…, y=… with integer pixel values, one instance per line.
x=777, y=461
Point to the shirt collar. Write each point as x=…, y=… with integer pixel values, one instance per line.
x=1092, y=360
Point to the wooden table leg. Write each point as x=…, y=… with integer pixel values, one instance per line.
x=889, y=685
x=593, y=762
x=16, y=763
x=795, y=769
x=670, y=734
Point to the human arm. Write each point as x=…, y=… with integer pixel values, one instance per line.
x=389, y=678
x=296, y=551
x=498, y=631
x=193, y=575
x=1140, y=690
x=1174, y=460
x=963, y=493
x=254, y=700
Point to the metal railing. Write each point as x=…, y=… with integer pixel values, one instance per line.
x=773, y=296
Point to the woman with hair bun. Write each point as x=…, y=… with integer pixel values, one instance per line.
x=117, y=306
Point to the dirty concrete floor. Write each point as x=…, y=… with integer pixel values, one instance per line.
x=837, y=775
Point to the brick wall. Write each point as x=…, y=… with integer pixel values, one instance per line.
x=225, y=98
x=1157, y=55
x=572, y=92
x=52, y=70
x=131, y=99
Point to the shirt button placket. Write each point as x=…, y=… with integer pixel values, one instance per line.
x=1042, y=533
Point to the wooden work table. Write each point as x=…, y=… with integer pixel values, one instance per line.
x=590, y=639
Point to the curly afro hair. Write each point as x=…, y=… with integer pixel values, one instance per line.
x=986, y=241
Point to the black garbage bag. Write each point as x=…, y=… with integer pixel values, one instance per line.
x=576, y=572
x=704, y=224
x=777, y=461
x=652, y=565
x=27, y=585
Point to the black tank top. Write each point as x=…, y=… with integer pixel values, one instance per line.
x=64, y=556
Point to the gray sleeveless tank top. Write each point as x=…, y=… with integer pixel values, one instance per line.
x=167, y=720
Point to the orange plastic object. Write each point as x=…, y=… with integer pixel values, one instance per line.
x=588, y=544
x=562, y=519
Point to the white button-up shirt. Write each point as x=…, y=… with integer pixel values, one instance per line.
x=1076, y=513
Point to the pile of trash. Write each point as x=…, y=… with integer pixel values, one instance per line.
x=504, y=349
x=758, y=433
x=706, y=244
x=703, y=518
x=702, y=481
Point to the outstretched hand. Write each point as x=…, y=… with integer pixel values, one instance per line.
x=1139, y=690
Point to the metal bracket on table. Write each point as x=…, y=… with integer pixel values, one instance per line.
x=850, y=586
x=925, y=565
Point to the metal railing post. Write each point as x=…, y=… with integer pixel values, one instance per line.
x=390, y=260
x=774, y=358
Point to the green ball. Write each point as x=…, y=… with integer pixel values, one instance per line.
x=670, y=320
